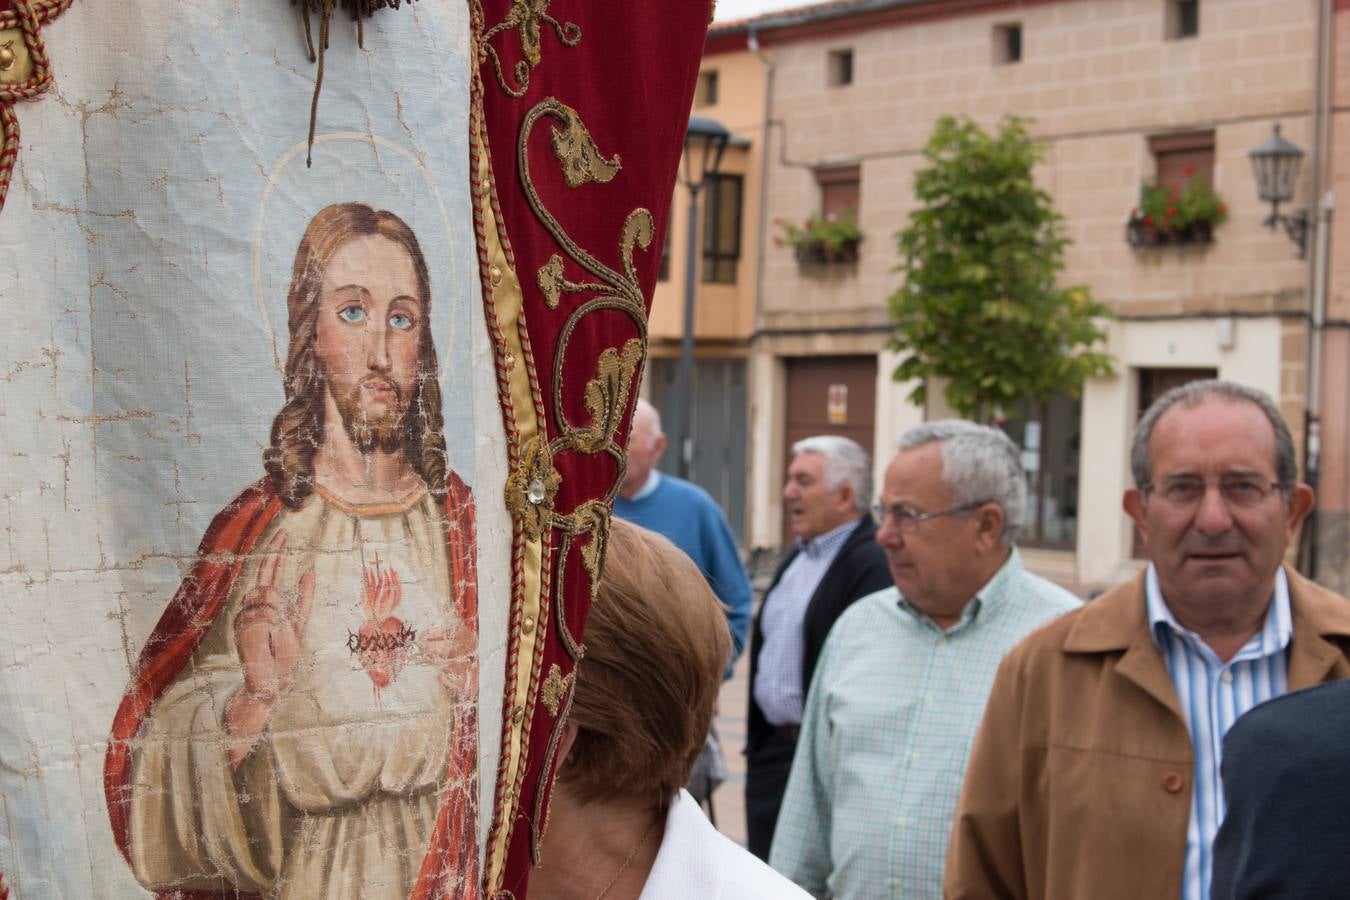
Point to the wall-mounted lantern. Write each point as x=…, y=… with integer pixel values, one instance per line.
x=1275, y=162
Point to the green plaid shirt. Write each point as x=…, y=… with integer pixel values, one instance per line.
x=890, y=717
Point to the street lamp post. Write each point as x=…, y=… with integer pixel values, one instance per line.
x=704, y=143
x=1275, y=164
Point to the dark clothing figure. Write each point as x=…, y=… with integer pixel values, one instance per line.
x=859, y=569
x=1286, y=834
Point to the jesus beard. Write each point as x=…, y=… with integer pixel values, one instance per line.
x=383, y=433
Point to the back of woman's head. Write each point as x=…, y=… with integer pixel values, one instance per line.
x=656, y=644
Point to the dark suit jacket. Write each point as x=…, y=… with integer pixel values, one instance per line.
x=859, y=569
x=1287, y=830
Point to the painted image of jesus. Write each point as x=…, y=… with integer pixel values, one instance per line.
x=303, y=719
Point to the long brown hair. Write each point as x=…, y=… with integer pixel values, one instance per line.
x=297, y=430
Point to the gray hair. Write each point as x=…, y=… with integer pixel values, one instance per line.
x=979, y=464
x=845, y=461
x=1194, y=393
x=645, y=407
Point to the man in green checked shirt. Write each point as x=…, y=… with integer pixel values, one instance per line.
x=903, y=678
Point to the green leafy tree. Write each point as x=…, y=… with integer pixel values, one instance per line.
x=980, y=306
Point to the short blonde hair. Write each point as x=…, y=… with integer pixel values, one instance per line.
x=656, y=644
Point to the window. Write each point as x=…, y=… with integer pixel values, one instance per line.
x=663, y=272
x=1183, y=19
x=839, y=191
x=722, y=229
x=705, y=94
x=1050, y=435
x=839, y=68
x=1179, y=157
x=1007, y=43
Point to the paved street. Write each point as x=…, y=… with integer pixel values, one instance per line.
x=729, y=799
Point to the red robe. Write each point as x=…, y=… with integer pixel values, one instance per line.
x=451, y=863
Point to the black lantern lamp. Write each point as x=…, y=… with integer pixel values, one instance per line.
x=1275, y=162
x=704, y=144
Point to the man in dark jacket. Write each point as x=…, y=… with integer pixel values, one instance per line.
x=1287, y=831
x=835, y=561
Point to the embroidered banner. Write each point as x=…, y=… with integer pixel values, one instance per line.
x=326, y=323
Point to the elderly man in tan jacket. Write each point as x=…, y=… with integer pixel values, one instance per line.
x=1096, y=769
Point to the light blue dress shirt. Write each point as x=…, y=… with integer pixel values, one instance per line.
x=778, y=676
x=890, y=719
x=1212, y=694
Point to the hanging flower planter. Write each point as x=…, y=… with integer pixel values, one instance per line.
x=1140, y=233
x=821, y=253
x=821, y=240
x=1166, y=216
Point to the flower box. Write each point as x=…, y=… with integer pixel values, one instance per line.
x=821, y=240
x=1167, y=216
x=821, y=253
x=1142, y=234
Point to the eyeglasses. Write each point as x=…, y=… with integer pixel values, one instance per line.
x=1238, y=491
x=907, y=520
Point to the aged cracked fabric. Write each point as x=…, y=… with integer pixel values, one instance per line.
x=211, y=341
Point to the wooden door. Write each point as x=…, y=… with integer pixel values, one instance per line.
x=829, y=395
x=1153, y=383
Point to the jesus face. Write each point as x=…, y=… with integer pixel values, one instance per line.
x=368, y=334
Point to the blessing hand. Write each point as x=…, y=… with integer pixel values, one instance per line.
x=267, y=633
x=453, y=649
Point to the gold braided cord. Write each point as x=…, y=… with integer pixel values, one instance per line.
x=28, y=16
x=9, y=147
x=43, y=10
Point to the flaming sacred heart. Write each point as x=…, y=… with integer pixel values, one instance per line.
x=382, y=641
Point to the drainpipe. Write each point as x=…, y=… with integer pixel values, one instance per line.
x=1324, y=201
x=752, y=44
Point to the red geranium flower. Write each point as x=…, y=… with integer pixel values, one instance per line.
x=1148, y=220
x=1171, y=212
x=1189, y=171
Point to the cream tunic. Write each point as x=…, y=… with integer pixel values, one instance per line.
x=339, y=796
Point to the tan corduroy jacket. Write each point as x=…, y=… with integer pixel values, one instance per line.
x=1079, y=784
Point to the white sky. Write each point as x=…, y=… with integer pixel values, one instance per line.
x=740, y=9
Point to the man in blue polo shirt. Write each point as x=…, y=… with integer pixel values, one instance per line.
x=692, y=520
x=688, y=516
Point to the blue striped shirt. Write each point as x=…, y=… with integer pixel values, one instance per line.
x=1212, y=694
x=778, y=677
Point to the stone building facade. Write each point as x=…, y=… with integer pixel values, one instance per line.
x=1118, y=91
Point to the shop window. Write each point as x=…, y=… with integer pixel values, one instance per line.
x=1050, y=435
x=722, y=229
x=1007, y=43
x=839, y=68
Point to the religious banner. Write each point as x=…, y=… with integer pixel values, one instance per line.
x=326, y=322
